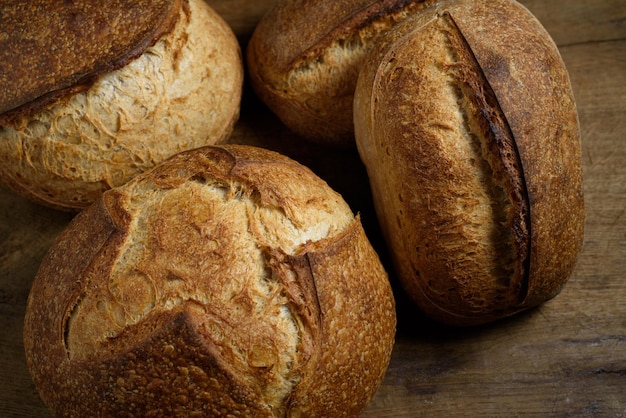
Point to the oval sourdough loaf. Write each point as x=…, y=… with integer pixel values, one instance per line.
x=466, y=122
x=228, y=280
x=96, y=92
x=304, y=57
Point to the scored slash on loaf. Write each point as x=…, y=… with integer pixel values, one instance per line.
x=227, y=278
x=466, y=122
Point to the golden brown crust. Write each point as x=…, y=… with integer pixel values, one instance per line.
x=327, y=381
x=304, y=59
x=466, y=121
x=183, y=92
x=37, y=42
x=226, y=279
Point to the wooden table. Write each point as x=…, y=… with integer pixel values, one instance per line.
x=565, y=358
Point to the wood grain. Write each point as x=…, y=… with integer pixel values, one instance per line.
x=565, y=358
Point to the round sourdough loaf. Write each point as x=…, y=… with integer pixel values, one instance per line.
x=466, y=122
x=226, y=281
x=304, y=58
x=96, y=92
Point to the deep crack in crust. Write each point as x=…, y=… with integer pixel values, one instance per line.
x=446, y=114
x=247, y=310
x=467, y=131
x=243, y=297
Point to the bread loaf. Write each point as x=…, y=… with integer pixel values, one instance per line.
x=304, y=58
x=227, y=281
x=466, y=122
x=96, y=92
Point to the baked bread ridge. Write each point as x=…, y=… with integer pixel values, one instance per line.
x=226, y=279
x=182, y=92
x=438, y=208
x=38, y=40
x=303, y=60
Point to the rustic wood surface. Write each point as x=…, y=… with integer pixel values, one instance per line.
x=565, y=358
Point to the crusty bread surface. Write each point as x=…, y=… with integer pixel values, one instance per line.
x=304, y=58
x=228, y=280
x=466, y=122
x=182, y=90
x=39, y=41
